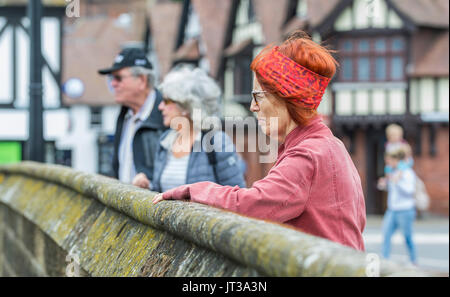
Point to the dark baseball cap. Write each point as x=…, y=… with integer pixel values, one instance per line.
x=128, y=57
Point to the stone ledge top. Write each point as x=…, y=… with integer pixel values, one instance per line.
x=271, y=248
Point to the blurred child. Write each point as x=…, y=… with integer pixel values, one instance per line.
x=400, y=184
x=395, y=142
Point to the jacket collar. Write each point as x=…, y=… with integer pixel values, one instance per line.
x=155, y=120
x=302, y=132
x=145, y=110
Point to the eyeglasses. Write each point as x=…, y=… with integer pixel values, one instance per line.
x=117, y=77
x=168, y=101
x=256, y=98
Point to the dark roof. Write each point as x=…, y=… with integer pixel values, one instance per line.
x=295, y=24
x=271, y=14
x=427, y=13
x=239, y=47
x=424, y=13
x=213, y=16
x=435, y=60
x=430, y=40
x=188, y=51
x=164, y=22
x=318, y=10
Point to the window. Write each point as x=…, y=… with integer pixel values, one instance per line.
x=378, y=59
x=96, y=117
x=380, y=69
x=397, y=68
x=54, y=155
x=348, y=46
x=105, y=144
x=397, y=44
x=347, y=69
x=63, y=157
x=380, y=45
x=363, y=46
x=363, y=69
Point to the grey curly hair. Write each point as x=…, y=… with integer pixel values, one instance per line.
x=192, y=89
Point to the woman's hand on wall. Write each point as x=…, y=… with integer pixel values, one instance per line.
x=178, y=193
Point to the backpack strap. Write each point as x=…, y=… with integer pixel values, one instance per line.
x=211, y=155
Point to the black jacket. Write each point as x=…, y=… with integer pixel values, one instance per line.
x=145, y=141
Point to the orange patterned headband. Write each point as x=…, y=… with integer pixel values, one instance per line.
x=292, y=79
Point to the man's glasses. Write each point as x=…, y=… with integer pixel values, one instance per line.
x=117, y=77
x=256, y=96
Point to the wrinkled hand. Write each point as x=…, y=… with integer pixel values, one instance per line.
x=179, y=193
x=158, y=198
x=141, y=180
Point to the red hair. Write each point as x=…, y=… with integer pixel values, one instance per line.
x=301, y=49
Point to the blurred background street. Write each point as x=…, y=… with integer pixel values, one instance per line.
x=431, y=235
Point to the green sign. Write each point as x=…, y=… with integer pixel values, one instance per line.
x=10, y=152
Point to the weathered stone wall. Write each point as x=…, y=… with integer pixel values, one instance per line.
x=27, y=250
x=48, y=212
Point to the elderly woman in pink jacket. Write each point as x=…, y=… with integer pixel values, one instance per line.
x=314, y=185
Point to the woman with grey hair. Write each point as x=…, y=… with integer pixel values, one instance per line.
x=187, y=153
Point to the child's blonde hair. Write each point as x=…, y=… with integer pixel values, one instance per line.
x=394, y=130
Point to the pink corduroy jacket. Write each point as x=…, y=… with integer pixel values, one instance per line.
x=313, y=186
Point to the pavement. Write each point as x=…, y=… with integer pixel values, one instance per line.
x=431, y=236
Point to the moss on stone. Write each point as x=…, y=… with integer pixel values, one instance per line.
x=116, y=231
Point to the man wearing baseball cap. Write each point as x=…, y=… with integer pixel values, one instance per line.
x=140, y=123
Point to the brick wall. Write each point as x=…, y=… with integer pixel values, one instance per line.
x=434, y=170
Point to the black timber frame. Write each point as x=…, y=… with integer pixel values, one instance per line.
x=13, y=15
